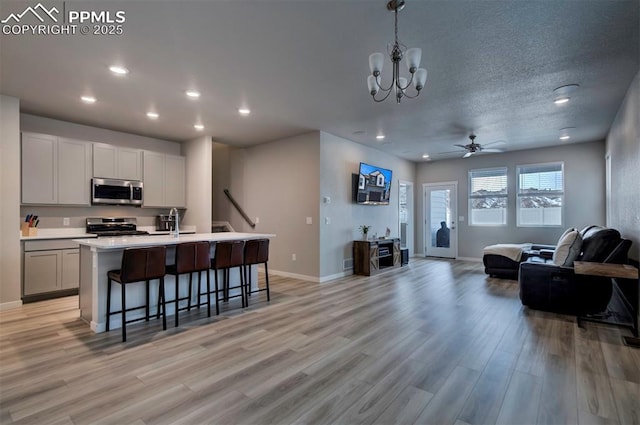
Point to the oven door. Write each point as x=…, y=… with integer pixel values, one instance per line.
x=118, y=192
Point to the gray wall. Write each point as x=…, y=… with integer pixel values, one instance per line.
x=198, y=177
x=623, y=144
x=278, y=182
x=339, y=159
x=9, y=202
x=221, y=179
x=584, y=194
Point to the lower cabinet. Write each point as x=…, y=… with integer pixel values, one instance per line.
x=50, y=268
x=370, y=257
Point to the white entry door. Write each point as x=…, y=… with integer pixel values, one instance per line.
x=440, y=226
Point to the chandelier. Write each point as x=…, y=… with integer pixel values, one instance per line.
x=399, y=85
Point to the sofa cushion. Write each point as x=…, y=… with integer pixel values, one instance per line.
x=568, y=249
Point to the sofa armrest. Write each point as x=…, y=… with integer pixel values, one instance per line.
x=545, y=286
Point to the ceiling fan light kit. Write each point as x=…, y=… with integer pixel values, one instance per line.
x=399, y=85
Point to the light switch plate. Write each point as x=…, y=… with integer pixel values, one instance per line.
x=461, y=218
x=309, y=220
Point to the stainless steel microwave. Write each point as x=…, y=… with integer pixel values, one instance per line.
x=116, y=192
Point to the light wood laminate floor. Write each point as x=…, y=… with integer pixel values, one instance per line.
x=435, y=342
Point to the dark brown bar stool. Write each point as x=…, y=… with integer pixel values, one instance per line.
x=138, y=265
x=191, y=257
x=256, y=251
x=229, y=254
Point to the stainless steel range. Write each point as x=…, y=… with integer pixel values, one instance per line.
x=113, y=226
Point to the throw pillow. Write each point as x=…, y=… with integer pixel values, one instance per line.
x=568, y=249
x=565, y=233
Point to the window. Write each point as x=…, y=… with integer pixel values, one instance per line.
x=540, y=194
x=488, y=197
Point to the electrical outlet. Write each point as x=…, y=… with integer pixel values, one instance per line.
x=309, y=220
x=293, y=257
x=327, y=220
x=257, y=220
x=65, y=221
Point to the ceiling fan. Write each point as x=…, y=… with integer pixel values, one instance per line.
x=473, y=147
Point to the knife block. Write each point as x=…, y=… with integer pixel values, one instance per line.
x=28, y=231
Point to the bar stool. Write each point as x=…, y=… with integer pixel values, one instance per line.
x=229, y=254
x=191, y=257
x=138, y=265
x=256, y=251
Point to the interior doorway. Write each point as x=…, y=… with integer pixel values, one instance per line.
x=440, y=226
x=405, y=214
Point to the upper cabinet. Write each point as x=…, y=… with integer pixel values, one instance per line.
x=164, y=180
x=114, y=162
x=55, y=170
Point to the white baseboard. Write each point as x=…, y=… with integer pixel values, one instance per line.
x=474, y=259
x=335, y=276
x=295, y=276
x=10, y=305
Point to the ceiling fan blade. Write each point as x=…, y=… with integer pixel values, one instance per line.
x=446, y=153
x=492, y=150
x=468, y=154
x=497, y=142
x=462, y=146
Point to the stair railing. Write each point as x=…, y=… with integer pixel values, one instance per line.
x=239, y=208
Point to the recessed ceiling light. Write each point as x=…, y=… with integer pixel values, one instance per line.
x=198, y=127
x=244, y=111
x=565, y=137
x=88, y=99
x=425, y=156
x=193, y=94
x=152, y=115
x=380, y=137
x=119, y=70
x=562, y=93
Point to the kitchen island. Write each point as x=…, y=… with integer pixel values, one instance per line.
x=99, y=255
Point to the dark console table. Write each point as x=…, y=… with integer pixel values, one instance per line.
x=371, y=257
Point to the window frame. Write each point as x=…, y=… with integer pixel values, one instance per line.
x=518, y=195
x=471, y=197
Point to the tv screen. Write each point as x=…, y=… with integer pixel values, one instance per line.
x=374, y=185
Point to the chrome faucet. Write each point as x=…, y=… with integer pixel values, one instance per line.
x=176, y=216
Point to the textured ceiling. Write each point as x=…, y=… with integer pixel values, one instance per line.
x=302, y=66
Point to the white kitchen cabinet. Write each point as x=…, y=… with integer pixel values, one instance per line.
x=153, y=179
x=39, y=169
x=164, y=180
x=55, y=170
x=129, y=164
x=70, y=275
x=114, y=162
x=41, y=272
x=50, y=266
x=174, y=181
x=74, y=172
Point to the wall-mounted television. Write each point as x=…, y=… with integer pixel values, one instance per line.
x=373, y=185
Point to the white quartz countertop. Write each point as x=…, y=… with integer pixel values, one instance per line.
x=80, y=233
x=140, y=241
x=60, y=233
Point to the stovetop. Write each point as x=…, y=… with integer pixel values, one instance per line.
x=113, y=226
x=112, y=233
